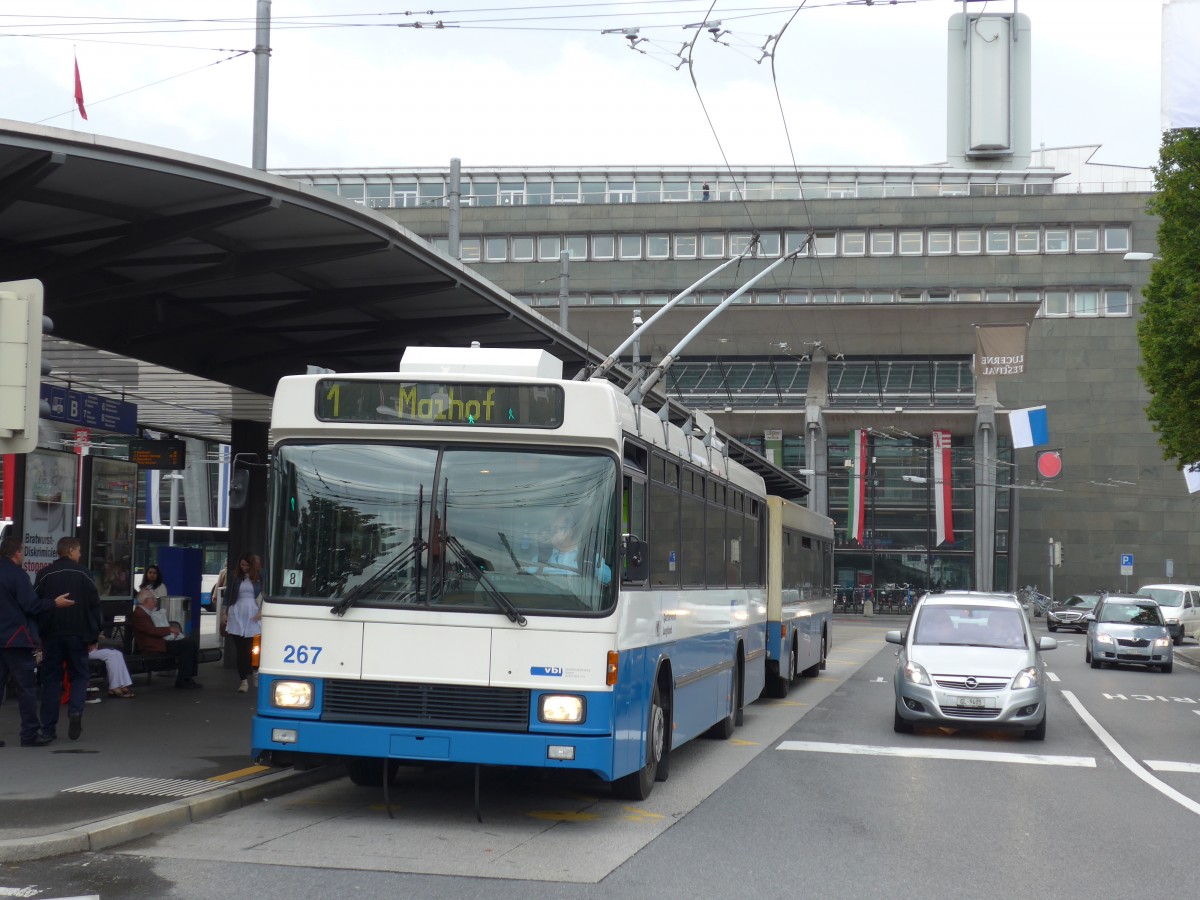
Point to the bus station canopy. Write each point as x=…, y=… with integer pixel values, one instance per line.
x=190, y=286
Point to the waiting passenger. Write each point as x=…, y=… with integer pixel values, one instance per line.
x=118, y=677
x=154, y=634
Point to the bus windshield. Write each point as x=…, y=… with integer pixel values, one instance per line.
x=444, y=527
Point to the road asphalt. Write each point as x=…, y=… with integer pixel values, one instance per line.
x=161, y=760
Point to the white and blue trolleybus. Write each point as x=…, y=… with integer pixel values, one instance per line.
x=473, y=560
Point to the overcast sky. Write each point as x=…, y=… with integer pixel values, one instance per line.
x=538, y=83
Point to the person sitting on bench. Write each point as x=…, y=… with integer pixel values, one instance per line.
x=118, y=678
x=154, y=634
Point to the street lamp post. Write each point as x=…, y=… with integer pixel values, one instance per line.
x=927, y=480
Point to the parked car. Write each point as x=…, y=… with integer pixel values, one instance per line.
x=1125, y=629
x=1070, y=613
x=970, y=659
x=1180, y=604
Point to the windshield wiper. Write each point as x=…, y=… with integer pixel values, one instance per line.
x=466, y=560
x=399, y=561
x=508, y=547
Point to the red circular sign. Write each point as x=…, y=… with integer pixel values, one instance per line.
x=1050, y=464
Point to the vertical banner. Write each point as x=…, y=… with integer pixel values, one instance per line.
x=943, y=507
x=224, y=465
x=1180, y=64
x=857, y=505
x=153, y=501
x=1000, y=349
x=7, y=500
x=773, y=444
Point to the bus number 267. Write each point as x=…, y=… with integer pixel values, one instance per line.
x=301, y=654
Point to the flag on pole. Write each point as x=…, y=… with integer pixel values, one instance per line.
x=79, y=91
x=1030, y=427
x=942, y=502
x=855, y=525
x=1191, y=475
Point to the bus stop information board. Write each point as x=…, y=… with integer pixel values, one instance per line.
x=157, y=454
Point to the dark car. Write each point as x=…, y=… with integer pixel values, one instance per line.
x=1070, y=613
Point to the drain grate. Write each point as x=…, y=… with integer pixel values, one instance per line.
x=151, y=787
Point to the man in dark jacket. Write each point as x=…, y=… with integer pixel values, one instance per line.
x=19, y=609
x=66, y=634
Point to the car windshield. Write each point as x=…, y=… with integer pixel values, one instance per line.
x=1080, y=602
x=1164, y=597
x=442, y=528
x=1131, y=614
x=970, y=626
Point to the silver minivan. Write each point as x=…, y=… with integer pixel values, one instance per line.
x=970, y=659
x=1180, y=604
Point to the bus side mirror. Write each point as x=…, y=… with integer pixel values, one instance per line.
x=239, y=488
x=636, y=567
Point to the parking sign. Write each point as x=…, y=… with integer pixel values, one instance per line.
x=1126, y=563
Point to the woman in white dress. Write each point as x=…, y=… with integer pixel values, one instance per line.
x=242, y=614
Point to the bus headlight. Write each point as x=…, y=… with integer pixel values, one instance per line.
x=562, y=708
x=292, y=694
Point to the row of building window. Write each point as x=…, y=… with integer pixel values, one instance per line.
x=848, y=243
x=385, y=193
x=1055, y=302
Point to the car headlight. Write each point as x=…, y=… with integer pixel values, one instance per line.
x=1104, y=639
x=915, y=673
x=1162, y=642
x=1027, y=678
x=1172, y=621
x=292, y=694
x=562, y=708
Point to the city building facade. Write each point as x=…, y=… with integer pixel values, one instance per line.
x=864, y=338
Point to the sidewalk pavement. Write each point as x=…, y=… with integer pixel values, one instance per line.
x=161, y=760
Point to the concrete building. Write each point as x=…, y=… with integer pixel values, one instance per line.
x=870, y=329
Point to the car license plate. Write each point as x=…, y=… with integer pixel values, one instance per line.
x=973, y=702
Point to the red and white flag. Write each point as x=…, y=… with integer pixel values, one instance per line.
x=79, y=92
x=943, y=494
x=856, y=522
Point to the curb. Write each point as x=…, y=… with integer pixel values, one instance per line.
x=141, y=823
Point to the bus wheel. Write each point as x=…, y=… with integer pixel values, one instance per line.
x=638, y=785
x=367, y=771
x=815, y=669
x=779, y=685
x=723, y=730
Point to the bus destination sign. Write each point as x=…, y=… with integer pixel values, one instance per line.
x=487, y=405
x=157, y=454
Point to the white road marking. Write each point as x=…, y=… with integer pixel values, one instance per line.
x=1128, y=761
x=1052, y=676
x=1030, y=759
x=1165, y=765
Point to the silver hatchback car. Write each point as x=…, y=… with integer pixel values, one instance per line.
x=1128, y=629
x=970, y=660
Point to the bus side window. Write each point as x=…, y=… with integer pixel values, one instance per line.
x=634, y=567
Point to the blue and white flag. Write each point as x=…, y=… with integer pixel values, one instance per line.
x=1029, y=427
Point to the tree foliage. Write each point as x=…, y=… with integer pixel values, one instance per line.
x=1169, y=328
